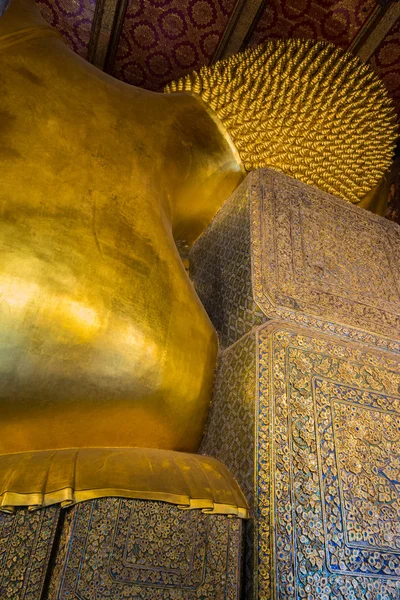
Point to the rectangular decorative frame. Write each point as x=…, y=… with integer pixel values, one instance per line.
x=321, y=261
x=281, y=249
x=129, y=549
x=301, y=553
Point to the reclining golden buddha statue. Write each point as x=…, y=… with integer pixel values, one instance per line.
x=104, y=343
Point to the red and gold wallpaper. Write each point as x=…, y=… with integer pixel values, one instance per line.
x=337, y=21
x=72, y=18
x=165, y=39
x=386, y=63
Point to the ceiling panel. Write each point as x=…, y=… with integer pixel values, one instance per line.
x=337, y=21
x=72, y=18
x=165, y=39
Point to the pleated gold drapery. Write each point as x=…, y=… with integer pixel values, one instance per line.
x=38, y=479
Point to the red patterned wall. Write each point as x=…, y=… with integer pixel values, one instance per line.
x=165, y=39
x=386, y=63
x=72, y=18
x=336, y=21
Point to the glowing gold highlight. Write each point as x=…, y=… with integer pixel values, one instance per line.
x=305, y=108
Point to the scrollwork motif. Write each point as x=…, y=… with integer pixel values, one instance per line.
x=121, y=549
x=335, y=475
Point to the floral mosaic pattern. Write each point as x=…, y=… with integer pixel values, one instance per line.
x=360, y=458
x=122, y=549
x=220, y=269
x=316, y=557
x=26, y=541
x=326, y=494
x=119, y=549
x=272, y=252
x=327, y=429
x=230, y=427
x=166, y=39
x=336, y=21
x=323, y=257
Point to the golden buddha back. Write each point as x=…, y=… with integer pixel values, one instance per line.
x=104, y=341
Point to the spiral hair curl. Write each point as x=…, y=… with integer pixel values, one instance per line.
x=306, y=108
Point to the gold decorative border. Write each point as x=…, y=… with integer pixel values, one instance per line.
x=356, y=331
x=277, y=573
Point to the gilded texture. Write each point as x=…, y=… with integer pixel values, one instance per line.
x=26, y=540
x=124, y=549
x=38, y=479
x=304, y=108
x=298, y=266
x=331, y=472
x=104, y=342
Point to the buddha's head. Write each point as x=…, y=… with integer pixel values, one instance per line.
x=305, y=108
